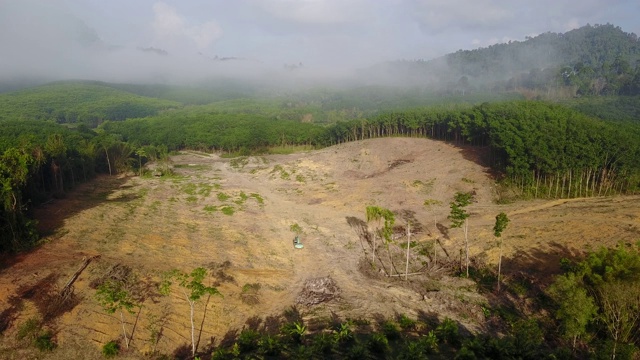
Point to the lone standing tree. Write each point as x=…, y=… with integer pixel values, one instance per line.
x=376, y=213
x=192, y=288
x=459, y=217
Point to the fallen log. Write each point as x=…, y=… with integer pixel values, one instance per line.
x=68, y=287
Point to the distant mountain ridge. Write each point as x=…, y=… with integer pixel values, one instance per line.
x=574, y=58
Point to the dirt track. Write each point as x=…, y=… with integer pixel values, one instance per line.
x=153, y=225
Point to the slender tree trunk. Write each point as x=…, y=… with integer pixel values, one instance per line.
x=108, y=161
x=499, y=265
x=193, y=330
x=406, y=268
x=466, y=244
x=373, y=258
x=124, y=331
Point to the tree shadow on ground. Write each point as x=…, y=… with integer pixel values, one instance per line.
x=525, y=278
x=51, y=216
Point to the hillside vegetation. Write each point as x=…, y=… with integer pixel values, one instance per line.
x=88, y=103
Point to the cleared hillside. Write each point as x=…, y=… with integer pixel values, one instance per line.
x=153, y=224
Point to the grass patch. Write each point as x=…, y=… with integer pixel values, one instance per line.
x=210, y=208
x=258, y=198
x=192, y=199
x=424, y=187
x=189, y=188
x=204, y=189
x=284, y=175
x=239, y=162
x=28, y=329
x=242, y=198
x=222, y=196
x=228, y=210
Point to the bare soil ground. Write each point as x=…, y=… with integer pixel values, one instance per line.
x=234, y=216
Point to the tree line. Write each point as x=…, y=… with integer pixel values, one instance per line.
x=546, y=150
x=40, y=160
x=540, y=149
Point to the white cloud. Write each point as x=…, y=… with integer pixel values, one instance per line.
x=172, y=29
x=315, y=11
x=439, y=15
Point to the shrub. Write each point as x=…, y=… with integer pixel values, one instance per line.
x=448, y=332
x=44, y=343
x=111, y=349
x=390, y=330
x=269, y=345
x=323, y=344
x=294, y=331
x=411, y=351
x=406, y=323
x=343, y=334
x=356, y=352
x=429, y=343
x=378, y=343
x=248, y=340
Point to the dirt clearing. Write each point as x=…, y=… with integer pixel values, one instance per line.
x=234, y=217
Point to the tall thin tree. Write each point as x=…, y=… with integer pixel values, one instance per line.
x=459, y=217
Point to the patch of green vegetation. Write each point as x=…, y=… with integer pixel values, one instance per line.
x=424, y=187
x=111, y=349
x=300, y=178
x=210, y=208
x=44, y=341
x=296, y=228
x=228, y=210
x=155, y=205
x=192, y=199
x=28, y=329
x=406, y=323
x=205, y=189
x=258, y=198
x=284, y=175
x=189, y=188
x=222, y=196
x=250, y=294
x=242, y=198
x=239, y=162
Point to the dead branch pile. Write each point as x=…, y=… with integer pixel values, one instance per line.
x=318, y=290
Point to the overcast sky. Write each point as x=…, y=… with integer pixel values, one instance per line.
x=45, y=36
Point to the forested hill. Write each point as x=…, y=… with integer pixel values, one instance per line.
x=593, y=60
x=89, y=103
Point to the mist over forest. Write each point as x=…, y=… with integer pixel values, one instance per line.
x=185, y=114
x=47, y=41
